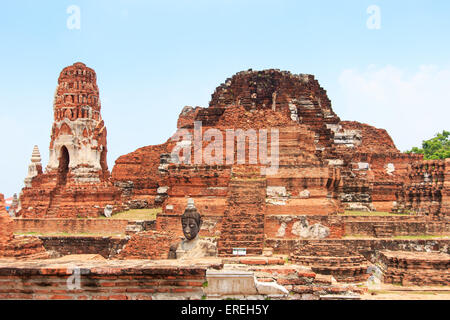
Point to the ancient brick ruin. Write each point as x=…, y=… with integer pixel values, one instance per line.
x=371, y=169
x=412, y=268
x=76, y=180
x=6, y=229
x=325, y=165
x=2, y=203
x=427, y=189
x=17, y=246
x=273, y=213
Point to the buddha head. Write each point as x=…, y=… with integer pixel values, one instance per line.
x=191, y=221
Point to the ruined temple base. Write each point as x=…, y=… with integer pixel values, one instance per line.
x=72, y=201
x=209, y=278
x=416, y=268
x=332, y=258
x=24, y=247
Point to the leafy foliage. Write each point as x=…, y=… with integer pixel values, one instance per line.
x=435, y=148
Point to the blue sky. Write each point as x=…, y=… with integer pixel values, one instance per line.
x=152, y=58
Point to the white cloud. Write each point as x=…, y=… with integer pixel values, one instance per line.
x=411, y=106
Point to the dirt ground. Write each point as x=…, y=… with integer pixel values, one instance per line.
x=391, y=292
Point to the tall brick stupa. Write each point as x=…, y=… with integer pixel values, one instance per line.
x=76, y=179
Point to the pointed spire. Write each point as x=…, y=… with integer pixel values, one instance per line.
x=15, y=201
x=36, y=155
x=35, y=167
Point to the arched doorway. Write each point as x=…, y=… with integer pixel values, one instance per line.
x=63, y=168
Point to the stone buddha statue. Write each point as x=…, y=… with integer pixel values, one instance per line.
x=192, y=246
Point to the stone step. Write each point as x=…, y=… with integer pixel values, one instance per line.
x=257, y=260
x=330, y=261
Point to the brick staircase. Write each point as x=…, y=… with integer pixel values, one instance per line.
x=243, y=222
x=54, y=206
x=330, y=258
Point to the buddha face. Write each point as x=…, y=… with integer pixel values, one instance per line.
x=190, y=228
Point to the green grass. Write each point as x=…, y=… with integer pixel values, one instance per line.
x=379, y=292
x=372, y=214
x=137, y=214
x=420, y=236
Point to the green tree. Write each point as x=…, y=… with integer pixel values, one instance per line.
x=435, y=148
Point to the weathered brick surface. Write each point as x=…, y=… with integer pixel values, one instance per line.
x=373, y=169
x=137, y=174
x=367, y=247
x=332, y=258
x=6, y=224
x=412, y=268
x=396, y=226
x=2, y=203
x=24, y=247
x=151, y=245
x=207, y=184
x=102, y=281
x=427, y=190
x=106, y=246
x=17, y=246
x=246, y=207
x=71, y=226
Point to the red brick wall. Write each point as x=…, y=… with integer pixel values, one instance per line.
x=152, y=245
x=364, y=246
x=72, y=226
x=399, y=227
x=101, y=281
x=2, y=203
x=414, y=268
x=445, y=206
x=426, y=196
x=107, y=247
x=6, y=227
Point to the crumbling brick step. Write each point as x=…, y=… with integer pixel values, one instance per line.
x=243, y=222
x=258, y=260
x=332, y=258
x=330, y=261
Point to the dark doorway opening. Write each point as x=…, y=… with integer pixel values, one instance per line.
x=63, y=168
